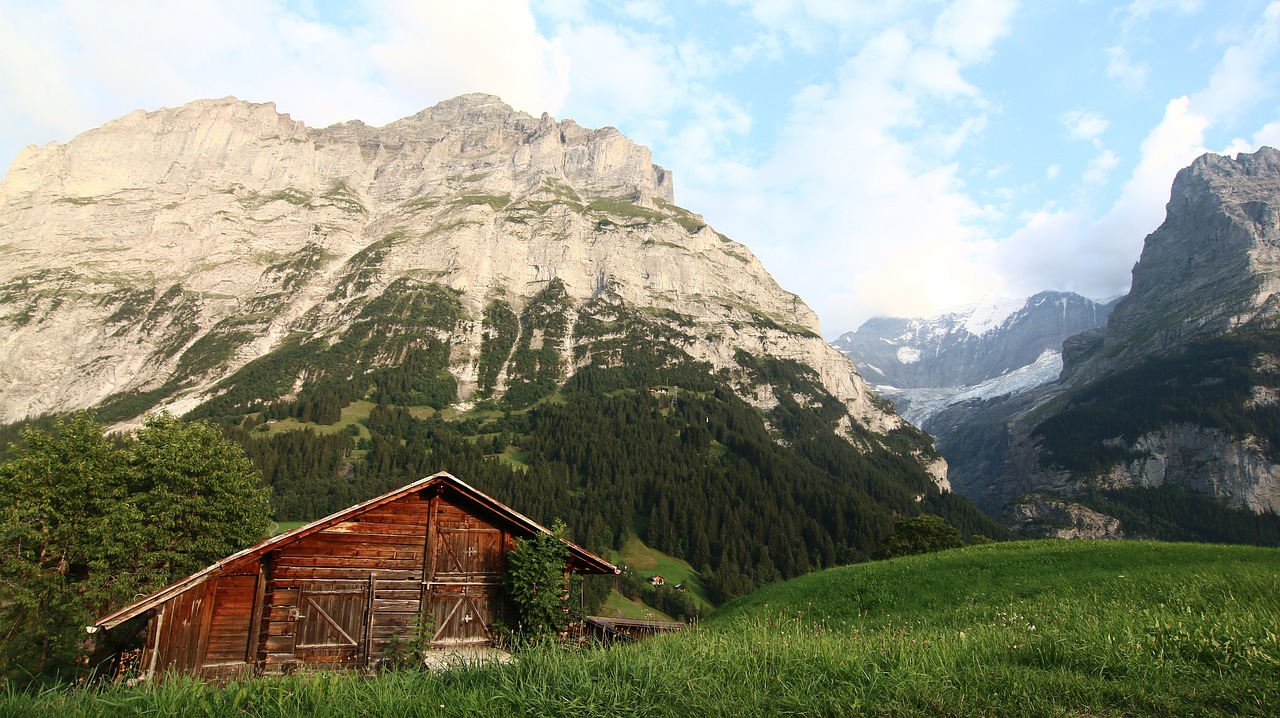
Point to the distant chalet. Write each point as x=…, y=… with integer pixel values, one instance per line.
x=333, y=593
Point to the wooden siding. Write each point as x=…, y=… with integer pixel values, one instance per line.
x=340, y=595
x=335, y=593
x=229, y=626
x=464, y=578
x=176, y=632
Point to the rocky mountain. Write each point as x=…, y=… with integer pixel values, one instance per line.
x=977, y=352
x=162, y=252
x=1168, y=415
x=518, y=300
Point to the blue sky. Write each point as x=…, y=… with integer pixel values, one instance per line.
x=881, y=157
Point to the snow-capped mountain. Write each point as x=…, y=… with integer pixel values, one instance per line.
x=980, y=351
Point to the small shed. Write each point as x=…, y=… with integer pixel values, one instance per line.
x=609, y=630
x=334, y=593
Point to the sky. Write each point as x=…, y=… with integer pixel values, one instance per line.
x=881, y=157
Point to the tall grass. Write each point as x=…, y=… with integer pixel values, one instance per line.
x=1024, y=629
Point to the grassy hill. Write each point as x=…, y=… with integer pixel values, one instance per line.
x=1018, y=629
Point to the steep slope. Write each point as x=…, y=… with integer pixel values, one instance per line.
x=515, y=299
x=978, y=352
x=1175, y=398
x=203, y=237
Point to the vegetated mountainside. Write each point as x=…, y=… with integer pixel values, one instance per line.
x=925, y=365
x=516, y=300
x=1165, y=422
x=198, y=239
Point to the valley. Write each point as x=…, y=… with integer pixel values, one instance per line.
x=520, y=302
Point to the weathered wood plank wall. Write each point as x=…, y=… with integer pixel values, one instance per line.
x=338, y=592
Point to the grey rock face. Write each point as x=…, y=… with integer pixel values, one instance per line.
x=156, y=255
x=1047, y=517
x=1212, y=265
x=1211, y=269
x=1203, y=460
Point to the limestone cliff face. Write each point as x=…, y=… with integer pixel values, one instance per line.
x=1193, y=339
x=1213, y=265
x=156, y=255
x=1205, y=460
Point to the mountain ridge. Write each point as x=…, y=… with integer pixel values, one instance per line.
x=469, y=193
x=1175, y=394
x=978, y=351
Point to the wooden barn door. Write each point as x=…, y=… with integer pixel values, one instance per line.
x=464, y=580
x=332, y=618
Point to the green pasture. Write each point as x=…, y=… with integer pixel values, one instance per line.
x=1044, y=628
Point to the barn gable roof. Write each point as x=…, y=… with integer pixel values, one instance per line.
x=579, y=558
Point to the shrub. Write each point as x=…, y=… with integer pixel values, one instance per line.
x=922, y=534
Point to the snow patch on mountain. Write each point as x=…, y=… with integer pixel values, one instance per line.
x=918, y=405
x=982, y=318
x=926, y=364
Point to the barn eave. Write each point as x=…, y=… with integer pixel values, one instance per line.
x=580, y=560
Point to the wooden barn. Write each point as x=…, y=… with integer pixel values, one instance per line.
x=334, y=593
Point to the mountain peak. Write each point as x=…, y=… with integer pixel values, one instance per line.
x=1210, y=266
x=469, y=110
x=1177, y=388
x=203, y=237
x=982, y=350
x=1263, y=164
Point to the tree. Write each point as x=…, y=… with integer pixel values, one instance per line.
x=87, y=523
x=921, y=534
x=535, y=582
x=58, y=497
x=202, y=497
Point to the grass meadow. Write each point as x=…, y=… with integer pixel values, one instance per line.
x=1037, y=628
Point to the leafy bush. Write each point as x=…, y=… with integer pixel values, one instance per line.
x=920, y=534
x=535, y=582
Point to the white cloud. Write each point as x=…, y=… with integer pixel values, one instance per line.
x=74, y=64
x=1241, y=77
x=616, y=73
x=969, y=28
x=807, y=25
x=650, y=11
x=1269, y=135
x=1099, y=168
x=1084, y=124
x=1052, y=171
x=1135, y=22
x=562, y=10
x=860, y=196
x=1120, y=66
x=1141, y=10
x=446, y=49
x=1065, y=249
